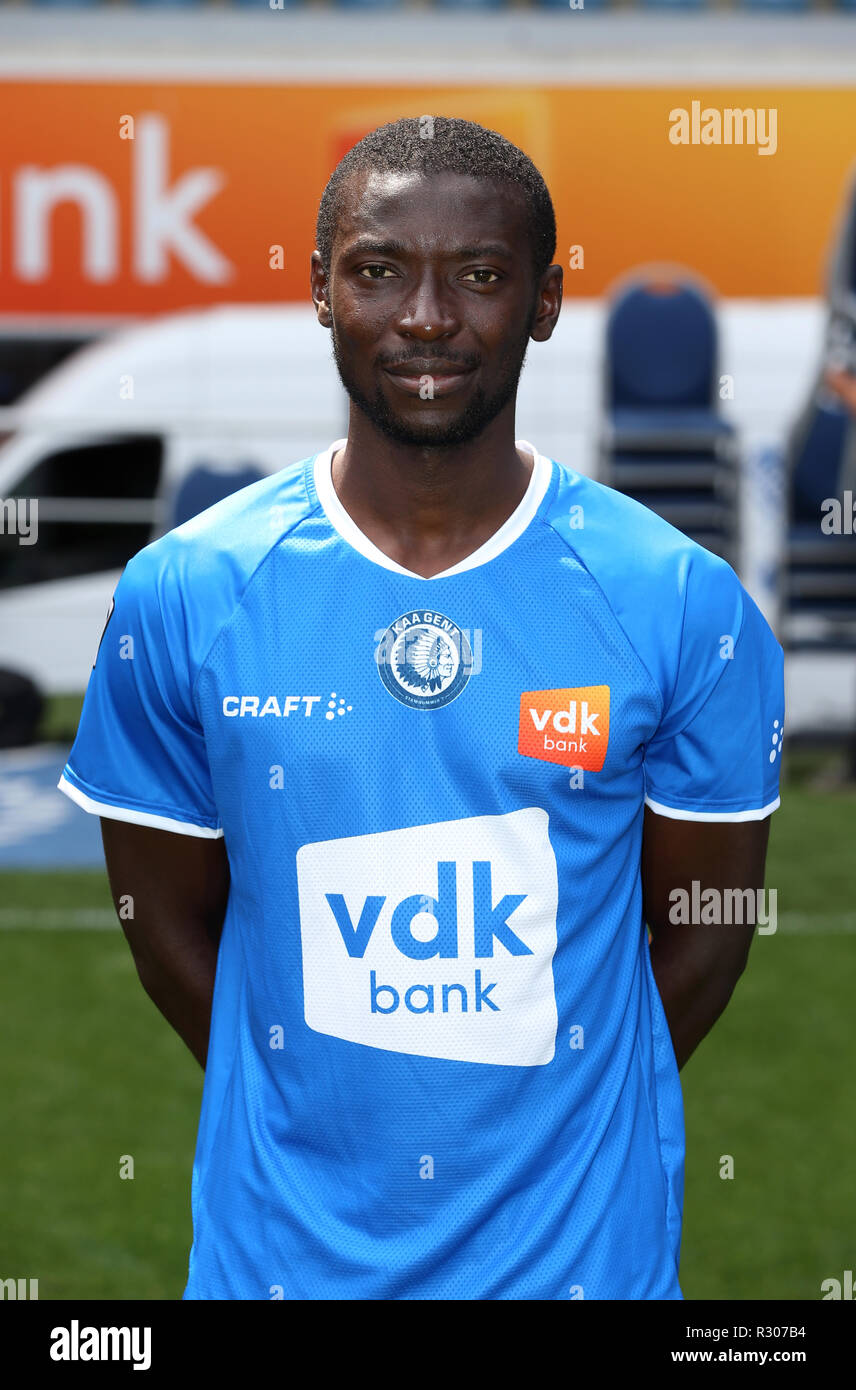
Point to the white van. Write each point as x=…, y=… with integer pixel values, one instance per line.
x=128, y=437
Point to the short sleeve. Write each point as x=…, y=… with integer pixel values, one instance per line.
x=140, y=754
x=717, y=751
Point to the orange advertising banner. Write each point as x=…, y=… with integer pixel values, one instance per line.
x=132, y=198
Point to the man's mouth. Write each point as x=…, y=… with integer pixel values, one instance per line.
x=441, y=378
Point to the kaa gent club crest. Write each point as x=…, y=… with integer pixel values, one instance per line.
x=424, y=659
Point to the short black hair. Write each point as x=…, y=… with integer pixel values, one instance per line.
x=439, y=145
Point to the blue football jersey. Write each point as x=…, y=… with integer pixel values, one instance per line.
x=439, y=1065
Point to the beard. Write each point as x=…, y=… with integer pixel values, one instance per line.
x=477, y=414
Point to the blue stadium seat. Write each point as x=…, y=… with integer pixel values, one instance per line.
x=678, y=474
x=635, y=428
x=664, y=442
x=819, y=571
x=204, y=486
x=661, y=346
x=816, y=452
x=841, y=279
x=819, y=580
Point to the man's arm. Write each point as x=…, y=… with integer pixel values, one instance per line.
x=697, y=966
x=180, y=887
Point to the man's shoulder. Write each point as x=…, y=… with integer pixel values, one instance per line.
x=635, y=556
x=224, y=545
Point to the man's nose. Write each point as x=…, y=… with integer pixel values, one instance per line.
x=428, y=312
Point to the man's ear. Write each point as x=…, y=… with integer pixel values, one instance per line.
x=548, y=304
x=319, y=290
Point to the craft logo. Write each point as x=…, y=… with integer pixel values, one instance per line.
x=569, y=726
x=435, y=940
x=424, y=659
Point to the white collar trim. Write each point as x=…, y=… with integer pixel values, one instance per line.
x=509, y=531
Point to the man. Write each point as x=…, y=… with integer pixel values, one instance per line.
x=382, y=755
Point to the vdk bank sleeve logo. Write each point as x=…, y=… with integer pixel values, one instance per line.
x=569, y=726
x=437, y=940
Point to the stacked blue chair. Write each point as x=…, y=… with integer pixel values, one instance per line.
x=664, y=441
x=819, y=570
x=204, y=486
x=819, y=579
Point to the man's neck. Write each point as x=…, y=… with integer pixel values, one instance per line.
x=427, y=509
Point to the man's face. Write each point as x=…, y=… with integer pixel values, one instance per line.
x=431, y=274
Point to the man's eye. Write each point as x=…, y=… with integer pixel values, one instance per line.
x=482, y=271
x=384, y=269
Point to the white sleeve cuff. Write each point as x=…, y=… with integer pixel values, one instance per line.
x=105, y=808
